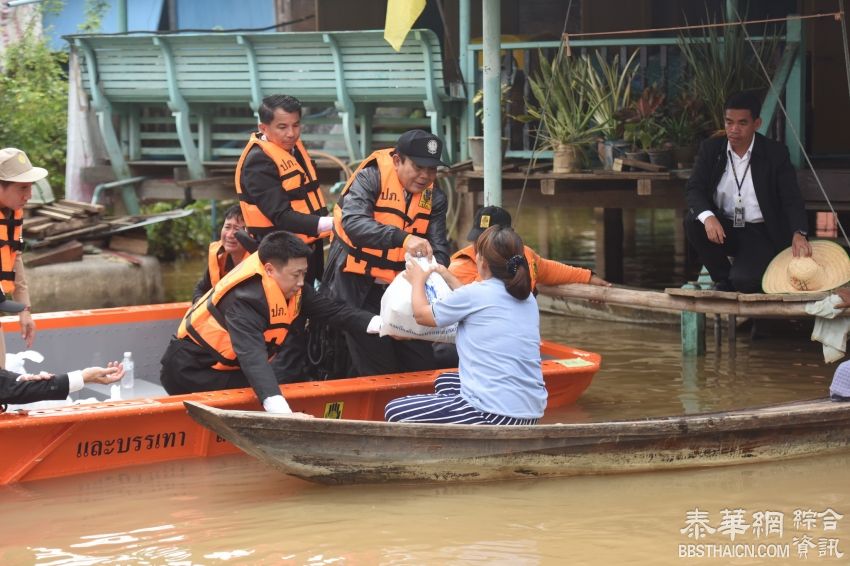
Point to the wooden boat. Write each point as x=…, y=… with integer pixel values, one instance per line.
x=344, y=451
x=153, y=427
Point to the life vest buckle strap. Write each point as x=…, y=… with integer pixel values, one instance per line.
x=374, y=261
x=196, y=337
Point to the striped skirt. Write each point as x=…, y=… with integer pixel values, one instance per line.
x=444, y=406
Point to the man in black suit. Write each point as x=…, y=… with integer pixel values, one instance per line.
x=743, y=201
x=28, y=388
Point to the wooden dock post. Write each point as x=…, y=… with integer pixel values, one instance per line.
x=693, y=323
x=693, y=330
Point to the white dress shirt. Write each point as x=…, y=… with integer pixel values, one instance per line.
x=726, y=196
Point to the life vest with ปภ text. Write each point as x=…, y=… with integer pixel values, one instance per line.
x=217, y=261
x=469, y=253
x=11, y=243
x=205, y=325
x=301, y=186
x=392, y=209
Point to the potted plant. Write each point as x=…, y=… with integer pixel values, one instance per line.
x=645, y=129
x=476, y=143
x=609, y=90
x=564, y=111
x=685, y=125
x=722, y=62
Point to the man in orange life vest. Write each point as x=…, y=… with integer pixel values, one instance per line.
x=228, y=337
x=389, y=207
x=276, y=182
x=16, y=178
x=225, y=253
x=278, y=190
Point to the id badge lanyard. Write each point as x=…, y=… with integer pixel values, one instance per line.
x=738, y=220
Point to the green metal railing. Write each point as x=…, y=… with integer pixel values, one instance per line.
x=659, y=61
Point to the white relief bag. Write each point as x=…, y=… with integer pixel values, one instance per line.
x=397, y=309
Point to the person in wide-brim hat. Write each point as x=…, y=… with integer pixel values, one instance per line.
x=827, y=268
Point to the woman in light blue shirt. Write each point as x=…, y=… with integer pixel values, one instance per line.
x=499, y=379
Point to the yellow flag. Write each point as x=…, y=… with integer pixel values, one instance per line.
x=401, y=14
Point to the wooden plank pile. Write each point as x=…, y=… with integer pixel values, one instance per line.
x=47, y=225
x=52, y=232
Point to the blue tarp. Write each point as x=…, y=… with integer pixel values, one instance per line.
x=142, y=15
x=145, y=15
x=225, y=14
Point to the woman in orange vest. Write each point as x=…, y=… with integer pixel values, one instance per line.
x=229, y=336
x=464, y=266
x=389, y=207
x=543, y=271
x=277, y=185
x=224, y=254
x=16, y=178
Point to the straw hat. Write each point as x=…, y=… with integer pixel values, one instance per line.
x=826, y=269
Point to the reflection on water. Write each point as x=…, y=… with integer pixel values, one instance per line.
x=234, y=510
x=179, y=278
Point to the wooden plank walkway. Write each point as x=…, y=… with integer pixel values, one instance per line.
x=706, y=302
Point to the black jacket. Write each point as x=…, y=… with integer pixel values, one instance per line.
x=246, y=315
x=774, y=179
x=261, y=181
x=358, y=220
x=20, y=392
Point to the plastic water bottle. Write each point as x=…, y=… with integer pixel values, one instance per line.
x=128, y=381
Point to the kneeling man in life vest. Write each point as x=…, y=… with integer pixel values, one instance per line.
x=389, y=207
x=228, y=337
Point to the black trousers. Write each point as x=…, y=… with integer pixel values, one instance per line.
x=315, y=263
x=185, y=369
x=373, y=355
x=750, y=246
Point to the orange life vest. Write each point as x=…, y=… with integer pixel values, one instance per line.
x=469, y=253
x=217, y=261
x=302, y=188
x=11, y=243
x=391, y=209
x=204, y=322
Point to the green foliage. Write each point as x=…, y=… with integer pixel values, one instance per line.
x=686, y=123
x=565, y=109
x=94, y=10
x=645, y=126
x=610, y=90
x=478, y=101
x=722, y=63
x=181, y=237
x=34, y=104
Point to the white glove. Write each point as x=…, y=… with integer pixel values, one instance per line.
x=326, y=224
x=276, y=404
x=374, y=325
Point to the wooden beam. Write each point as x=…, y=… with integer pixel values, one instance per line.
x=779, y=308
x=621, y=163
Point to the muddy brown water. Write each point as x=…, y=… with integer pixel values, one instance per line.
x=234, y=510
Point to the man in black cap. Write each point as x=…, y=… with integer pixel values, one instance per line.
x=389, y=207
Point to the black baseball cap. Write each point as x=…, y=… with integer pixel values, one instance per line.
x=10, y=306
x=422, y=147
x=488, y=216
